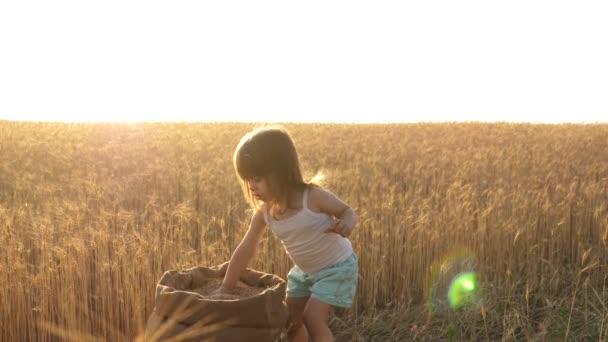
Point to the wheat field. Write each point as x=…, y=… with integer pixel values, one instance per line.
x=91, y=215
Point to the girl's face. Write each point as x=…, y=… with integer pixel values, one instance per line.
x=259, y=188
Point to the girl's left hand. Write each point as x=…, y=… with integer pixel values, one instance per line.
x=338, y=226
x=221, y=291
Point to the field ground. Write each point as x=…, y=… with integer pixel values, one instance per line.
x=91, y=215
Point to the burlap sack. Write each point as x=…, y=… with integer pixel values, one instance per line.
x=188, y=316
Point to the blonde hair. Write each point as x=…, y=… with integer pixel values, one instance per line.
x=269, y=152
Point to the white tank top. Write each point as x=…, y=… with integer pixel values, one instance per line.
x=304, y=238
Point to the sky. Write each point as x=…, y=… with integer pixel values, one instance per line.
x=313, y=61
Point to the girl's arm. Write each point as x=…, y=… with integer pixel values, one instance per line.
x=244, y=252
x=327, y=202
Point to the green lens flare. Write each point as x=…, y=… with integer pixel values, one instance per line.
x=454, y=283
x=462, y=289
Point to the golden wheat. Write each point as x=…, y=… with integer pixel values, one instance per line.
x=91, y=215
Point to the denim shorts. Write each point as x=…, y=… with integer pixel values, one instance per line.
x=334, y=284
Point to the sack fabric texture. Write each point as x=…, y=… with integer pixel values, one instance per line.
x=179, y=313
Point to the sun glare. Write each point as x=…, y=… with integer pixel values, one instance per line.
x=323, y=62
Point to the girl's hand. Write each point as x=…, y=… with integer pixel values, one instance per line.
x=221, y=291
x=338, y=226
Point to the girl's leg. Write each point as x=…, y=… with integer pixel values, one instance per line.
x=296, y=331
x=316, y=315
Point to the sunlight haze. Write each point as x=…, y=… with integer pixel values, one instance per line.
x=315, y=61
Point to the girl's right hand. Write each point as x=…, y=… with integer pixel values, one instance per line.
x=222, y=290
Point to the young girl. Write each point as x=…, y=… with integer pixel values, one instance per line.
x=312, y=223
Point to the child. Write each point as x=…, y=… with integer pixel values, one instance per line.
x=312, y=223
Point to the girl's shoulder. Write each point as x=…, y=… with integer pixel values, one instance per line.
x=316, y=191
x=317, y=196
x=323, y=200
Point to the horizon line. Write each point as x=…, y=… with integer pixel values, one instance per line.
x=89, y=122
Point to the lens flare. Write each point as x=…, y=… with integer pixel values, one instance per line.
x=462, y=290
x=453, y=282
